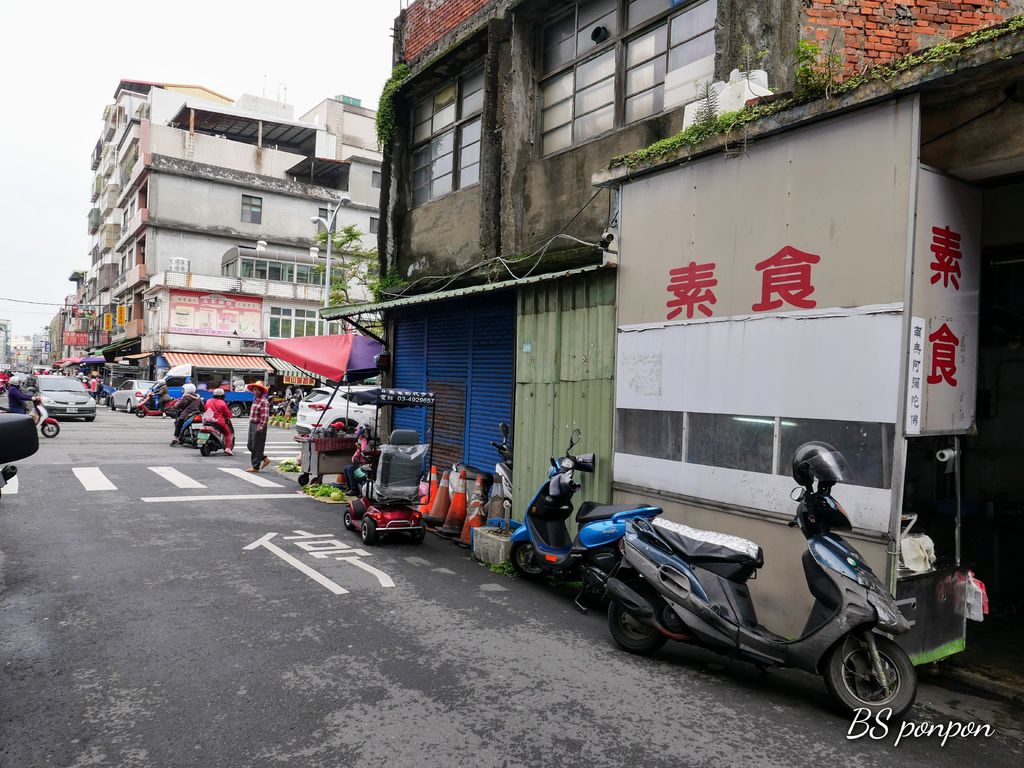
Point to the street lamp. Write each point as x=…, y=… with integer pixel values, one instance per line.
x=328, y=223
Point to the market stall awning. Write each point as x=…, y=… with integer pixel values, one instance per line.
x=345, y=356
x=219, y=362
x=69, y=361
x=136, y=357
x=93, y=359
x=283, y=366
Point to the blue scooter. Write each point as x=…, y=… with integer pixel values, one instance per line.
x=541, y=545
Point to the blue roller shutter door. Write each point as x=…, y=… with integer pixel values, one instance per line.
x=410, y=370
x=492, y=380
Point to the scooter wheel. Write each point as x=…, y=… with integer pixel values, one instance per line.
x=303, y=479
x=50, y=430
x=524, y=560
x=418, y=536
x=368, y=532
x=346, y=519
x=205, y=449
x=630, y=635
x=141, y=413
x=851, y=682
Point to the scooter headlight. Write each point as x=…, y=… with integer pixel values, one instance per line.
x=48, y=400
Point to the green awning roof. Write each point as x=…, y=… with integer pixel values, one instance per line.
x=336, y=313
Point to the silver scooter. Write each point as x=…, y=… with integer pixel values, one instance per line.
x=690, y=585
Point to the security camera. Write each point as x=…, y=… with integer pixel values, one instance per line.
x=606, y=239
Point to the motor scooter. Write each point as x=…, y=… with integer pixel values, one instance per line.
x=541, y=545
x=681, y=583
x=208, y=437
x=503, y=471
x=48, y=426
x=147, y=406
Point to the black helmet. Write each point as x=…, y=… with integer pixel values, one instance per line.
x=819, y=461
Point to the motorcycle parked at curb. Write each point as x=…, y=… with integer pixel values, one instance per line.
x=503, y=471
x=541, y=545
x=690, y=585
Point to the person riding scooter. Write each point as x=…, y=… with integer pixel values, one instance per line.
x=189, y=407
x=218, y=414
x=18, y=400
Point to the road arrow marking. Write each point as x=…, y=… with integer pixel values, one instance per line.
x=383, y=578
x=316, y=576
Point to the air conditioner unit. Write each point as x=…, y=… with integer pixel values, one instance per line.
x=179, y=264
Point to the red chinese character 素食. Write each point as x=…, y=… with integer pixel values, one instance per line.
x=786, y=279
x=944, y=344
x=692, y=286
x=946, y=248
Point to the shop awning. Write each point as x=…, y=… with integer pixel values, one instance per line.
x=69, y=361
x=136, y=357
x=219, y=362
x=283, y=366
x=91, y=359
x=123, y=344
x=345, y=356
x=337, y=313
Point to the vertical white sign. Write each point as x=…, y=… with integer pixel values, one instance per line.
x=915, y=376
x=947, y=277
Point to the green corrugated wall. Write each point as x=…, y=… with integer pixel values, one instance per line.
x=565, y=378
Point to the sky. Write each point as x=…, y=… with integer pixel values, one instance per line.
x=63, y=60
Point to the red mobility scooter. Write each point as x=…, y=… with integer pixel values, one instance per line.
x=391, y=484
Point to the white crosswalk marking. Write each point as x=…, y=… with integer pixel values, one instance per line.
x=251, y=477
x=11, y=487
x=173, y=476
x=92, y=479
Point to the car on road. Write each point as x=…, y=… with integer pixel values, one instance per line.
x=64, y=397
x=314, y=405
x=128, y=396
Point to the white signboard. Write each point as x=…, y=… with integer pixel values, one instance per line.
x=915, y=376
x=947, y=275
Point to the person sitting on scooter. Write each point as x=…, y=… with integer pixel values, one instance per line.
x=221, y=418
x=359, y=458
x=190, y=406
x=18, y=401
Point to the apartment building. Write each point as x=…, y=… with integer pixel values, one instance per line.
x=201, y=226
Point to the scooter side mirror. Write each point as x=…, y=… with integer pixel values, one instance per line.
x=18, y=437
x=573, y=439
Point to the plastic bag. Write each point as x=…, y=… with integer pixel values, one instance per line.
x=918, y=552
x=977, y=598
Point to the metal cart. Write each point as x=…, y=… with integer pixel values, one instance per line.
x=324, y=456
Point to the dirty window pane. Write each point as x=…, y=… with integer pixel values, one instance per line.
x=444, y=118
x=472, y=92
x=594, y=123
x=867, y=446
x=441, y=186
x=691, y=51
x=560, y=138
x=441, y=166
x=656, y=434
x=470, y=132
x=647, y=46
x=470, y=154
x=470, y=174
x=557, y=89
x=640, y=11
x=733, y=442
x=646, y=104
x=560, y=114
x=444, y=97
x=597, y=68
x=442, y=145
x=591, y=10
x=698, y=19
x=597, y=96
x=559, y=42
x=585, y=38
x=645, y=76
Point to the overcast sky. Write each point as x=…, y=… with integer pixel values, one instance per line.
x=62, y=62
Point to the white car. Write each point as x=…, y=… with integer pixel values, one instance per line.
x=128, y=396
x=314, y=406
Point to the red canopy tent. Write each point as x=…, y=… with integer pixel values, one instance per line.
x=347, y=356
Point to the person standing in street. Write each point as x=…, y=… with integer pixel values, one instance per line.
x=259, y=416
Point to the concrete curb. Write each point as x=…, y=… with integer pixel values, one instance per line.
x=980, y=683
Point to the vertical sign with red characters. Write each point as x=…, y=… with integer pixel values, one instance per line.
x=944, y=306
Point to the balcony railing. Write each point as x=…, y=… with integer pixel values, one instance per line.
x=133, y=226
x=108, y=236
x=110, y=197
x=97, y=187
x=131, y=278
x=246, y=286
x=94, y=220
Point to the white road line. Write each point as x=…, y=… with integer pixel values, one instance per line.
x=316, y=576
x=445, y=571
x=251, y=477
x=493, y=588
x=92, y=479
x=12, y=486
x=173, y=476
x=226, y=497
x=383, y=578
x=417, y=561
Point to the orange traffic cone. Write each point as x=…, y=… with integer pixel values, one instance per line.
x=439, y=509
x=477, y=514
x=428, y=501
x=457, y=511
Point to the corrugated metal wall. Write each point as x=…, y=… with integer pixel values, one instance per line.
x=565, y=378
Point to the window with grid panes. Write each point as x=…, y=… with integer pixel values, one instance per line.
x=582, y=85
x=252, y=209
x=446, y=138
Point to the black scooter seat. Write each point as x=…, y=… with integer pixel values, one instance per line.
x=699, y=546
x=591, y=511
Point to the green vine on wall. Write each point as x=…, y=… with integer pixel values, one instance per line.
x=817, y=83
x=386, y=113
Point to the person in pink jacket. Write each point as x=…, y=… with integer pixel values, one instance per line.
x=221, y=418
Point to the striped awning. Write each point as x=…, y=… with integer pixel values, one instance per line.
x=219, y=362
x=281, y=366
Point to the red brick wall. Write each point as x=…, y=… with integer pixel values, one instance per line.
x=868, y=32
x=427, y=21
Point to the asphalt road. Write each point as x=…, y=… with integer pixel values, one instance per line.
x=143, y=633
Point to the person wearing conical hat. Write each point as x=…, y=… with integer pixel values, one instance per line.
x=259, y=417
